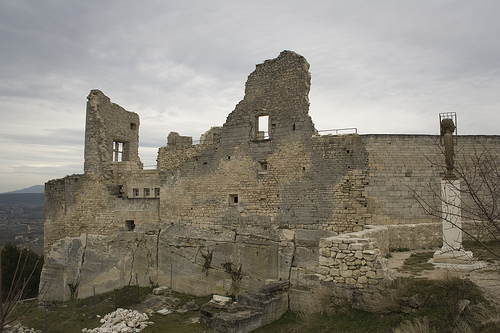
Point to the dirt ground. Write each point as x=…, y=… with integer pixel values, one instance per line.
x=485, y=275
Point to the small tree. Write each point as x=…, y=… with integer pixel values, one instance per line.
x=19, y=277
x=12, y=257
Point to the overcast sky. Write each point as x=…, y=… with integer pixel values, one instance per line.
x=379, y=66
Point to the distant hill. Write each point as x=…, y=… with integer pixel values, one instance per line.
x=31, y=189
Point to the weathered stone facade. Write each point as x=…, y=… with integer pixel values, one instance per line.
x=263, y=197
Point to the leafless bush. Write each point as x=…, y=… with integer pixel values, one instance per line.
x=18, y=285
x=478, y=171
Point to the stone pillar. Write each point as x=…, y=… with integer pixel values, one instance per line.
x=452, y=251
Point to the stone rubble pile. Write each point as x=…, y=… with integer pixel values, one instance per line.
x=121, y=321
x=17, y=328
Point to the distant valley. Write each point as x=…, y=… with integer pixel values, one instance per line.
x=24, y=227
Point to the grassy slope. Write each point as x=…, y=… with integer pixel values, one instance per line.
x=438, y=309
x=441, y=297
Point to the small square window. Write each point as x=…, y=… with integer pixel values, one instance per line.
x=263, y=166
x=129, y=225
x=146, y=192
x=135, y=192
x=233, y=199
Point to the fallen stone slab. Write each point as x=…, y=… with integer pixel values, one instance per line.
x=161, y=290
x=164, y=312
x=220, y=302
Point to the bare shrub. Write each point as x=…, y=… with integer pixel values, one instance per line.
x=478, y=171
x=17, y=282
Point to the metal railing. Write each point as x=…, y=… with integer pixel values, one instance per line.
x=339, y=131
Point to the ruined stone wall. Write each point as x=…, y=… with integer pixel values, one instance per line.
x=316, y=184
x=278, y=88
x=107, y=123
x=399, y=164
x=402, y=166
x=114, y=193
x=84, y=204
x=248, y=204
x=287, y=177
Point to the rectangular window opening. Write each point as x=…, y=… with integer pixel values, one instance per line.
x=262, y=127
x=117, y=151
x=146, y=192
x=135, y=192
x=157, y=192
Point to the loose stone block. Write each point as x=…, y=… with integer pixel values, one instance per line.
x=350, y=281
x=325, y=252
x=346, y=273
x=363, y=279
x=326, y=261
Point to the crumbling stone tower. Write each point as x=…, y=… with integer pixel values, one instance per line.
x=276, y=104
x=267, y=166
x=111, y=136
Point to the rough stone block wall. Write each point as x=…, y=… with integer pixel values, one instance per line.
x=352, y=261
x=415, y=236
x=278, y=88
x=397, y=165
x=351, y=210
x=78, y=205
x=402, y=166
x=299, y=187
x=107, y=123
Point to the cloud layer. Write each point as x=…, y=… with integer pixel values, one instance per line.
x=380, y=66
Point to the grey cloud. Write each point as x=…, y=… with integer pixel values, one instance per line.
x=384, y=66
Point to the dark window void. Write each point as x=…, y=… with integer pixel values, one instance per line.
x=147, y=192
x=262, y=128
x=263, y=166
x=133, y=126
x=233, y=199
x=129, y=225
x=136, y=192
x=157, y=192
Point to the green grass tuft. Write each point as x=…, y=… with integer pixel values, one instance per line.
x=417, y=262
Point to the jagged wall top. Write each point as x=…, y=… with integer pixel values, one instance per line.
x=111, y=134
x=279, y=89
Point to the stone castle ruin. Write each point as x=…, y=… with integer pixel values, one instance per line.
x=264, y=198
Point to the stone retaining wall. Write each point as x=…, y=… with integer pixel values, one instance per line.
x=358, y=259
x=353, y=261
